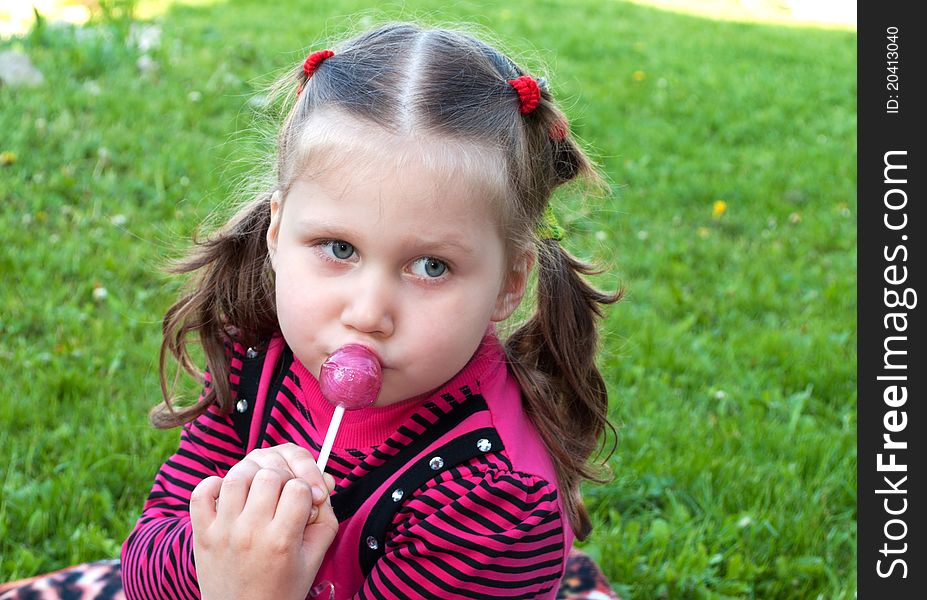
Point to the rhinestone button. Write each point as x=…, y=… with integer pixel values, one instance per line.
x=372, y=543
x=242, y=405
x=484, y=445
x=251, y=353
x=397, y=494
x=436, y=463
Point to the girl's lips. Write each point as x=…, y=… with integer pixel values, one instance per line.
x=365, y=347
x=375, y=354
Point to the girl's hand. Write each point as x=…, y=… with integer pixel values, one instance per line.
x=260, y=532
x=298, y=462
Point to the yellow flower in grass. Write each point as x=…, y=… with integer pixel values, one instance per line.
x=7, y=157
x=639, y=76
x=718, y=208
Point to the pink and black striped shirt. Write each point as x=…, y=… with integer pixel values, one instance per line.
x=491, y=526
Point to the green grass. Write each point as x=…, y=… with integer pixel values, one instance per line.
x=731, y=363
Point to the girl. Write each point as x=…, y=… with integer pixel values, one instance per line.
x=408, y=208
x=413, y=173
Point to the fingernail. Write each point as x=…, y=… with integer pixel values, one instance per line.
x=317, y=494
x=313, y=513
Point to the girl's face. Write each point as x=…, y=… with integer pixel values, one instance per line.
x=397, y=258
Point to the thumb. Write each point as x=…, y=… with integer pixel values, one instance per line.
x=318, y=537
x=320, y=532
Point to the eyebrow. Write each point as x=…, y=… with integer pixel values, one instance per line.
x=332, y=230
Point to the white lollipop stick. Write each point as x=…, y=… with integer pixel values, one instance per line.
x=330, y=437
x=350, y=379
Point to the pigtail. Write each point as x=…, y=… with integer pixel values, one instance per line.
x=552, y=356
x=231, y=298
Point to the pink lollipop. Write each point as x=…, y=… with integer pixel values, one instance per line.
x=350, y=379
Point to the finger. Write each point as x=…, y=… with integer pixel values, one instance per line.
x=318, y=537
x=301, y=462
x=235, y=487
x=321, y=531
x=270, y=458
x=329, y=482
x=203, y=502
x=295, y=509
x=264, y=495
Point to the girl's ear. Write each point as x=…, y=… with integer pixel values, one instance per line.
x=274, y=228
x=513, y=290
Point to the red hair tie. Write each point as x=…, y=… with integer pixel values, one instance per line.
x=528, y=93
x=312, y=63
x=314, y=60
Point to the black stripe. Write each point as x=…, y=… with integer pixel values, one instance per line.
x=430, y=502
x=493, y=461
x=389, y=582
x=528, y=568
x=532, y=595
x=197, y=441
x=199, y=431
x=374, y=591
x=470, y=545
x=518, y=482
x=291, y=396
x=178, y=482
x=184, y=505
x=173, y=559
x=294, y=422
x=480, y=580
x=537, y=537
x=281, y=432
x=421, y=422
x=337, y=474
x=475, y=516
x=455, y=591
x=392, y=444
x=501, y=512
x=411, y=434
x=383, y=456
x=165, y=499
x=186, y=453
x=209, y=465
x=515, y=500
x=402, y=576
x=451, y=494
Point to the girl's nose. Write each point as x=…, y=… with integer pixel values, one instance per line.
x=368, y=306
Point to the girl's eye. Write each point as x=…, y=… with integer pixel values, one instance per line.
x=341, y=250
x=429, y=267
